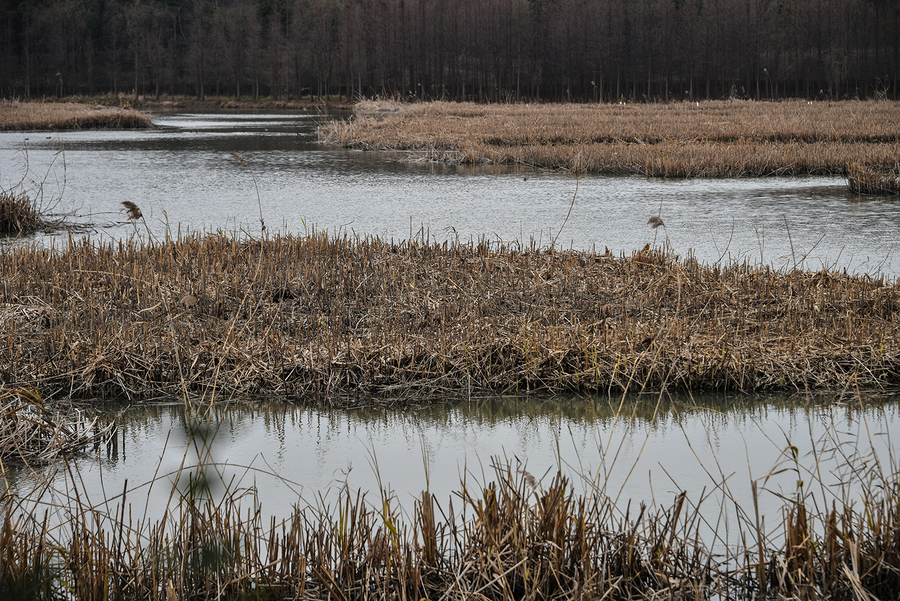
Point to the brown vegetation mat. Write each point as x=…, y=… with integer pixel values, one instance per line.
x=321, y=316
x=68, y=115
x=707, y=139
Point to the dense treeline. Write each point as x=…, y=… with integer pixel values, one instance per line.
x=492, y=50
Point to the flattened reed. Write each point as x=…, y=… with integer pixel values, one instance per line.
x=68, y=115
x=707, y=139
x=338, y=318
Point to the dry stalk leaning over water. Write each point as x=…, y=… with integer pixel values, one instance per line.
x=709, y=139
x=319, y=317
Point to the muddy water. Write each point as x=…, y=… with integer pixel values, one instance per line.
x=184, y=177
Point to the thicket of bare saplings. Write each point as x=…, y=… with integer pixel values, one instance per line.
x=482, y=50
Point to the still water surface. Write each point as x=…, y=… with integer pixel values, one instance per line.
x=184, y=176
x=639, y=449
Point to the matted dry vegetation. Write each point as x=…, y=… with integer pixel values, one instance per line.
x=318, y=317
x=68, y=115
x=707, y=139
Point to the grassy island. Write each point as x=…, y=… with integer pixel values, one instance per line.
x=336, y=319
x=68, y=115
x=707, y=139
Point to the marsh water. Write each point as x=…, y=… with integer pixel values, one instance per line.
x=184, y=176
x=273, y=457
x=228, y=172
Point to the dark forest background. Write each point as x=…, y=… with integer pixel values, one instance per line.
x=484, y=50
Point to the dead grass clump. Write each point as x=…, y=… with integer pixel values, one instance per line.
x=316, y=317
x=68, y=115
x=19, y=213
x=708, y=139
x=870, y=180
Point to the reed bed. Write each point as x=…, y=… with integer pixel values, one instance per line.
x=16, y=115
x=867, y=180
x=513, y=538
x=334, y=320
x=707, y=139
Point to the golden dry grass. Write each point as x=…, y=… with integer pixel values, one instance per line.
x=68, y=115
x=708, y=139
x=868, y=180
x=19, y=213
x=332, y=319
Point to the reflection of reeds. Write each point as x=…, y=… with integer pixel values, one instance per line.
x=515, y=538
x=32, y=431
x=712, y=139
x=67, y=115
x=311, y=316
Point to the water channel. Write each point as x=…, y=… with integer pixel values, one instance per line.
x=277, y=456
x=185, y=178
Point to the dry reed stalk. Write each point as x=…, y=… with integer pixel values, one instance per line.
x=335, y=319
x=709, y=139
x=19, y=214
x=16, y=115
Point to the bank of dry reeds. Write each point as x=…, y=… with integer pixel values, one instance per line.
x=514, y=538
x=320, y=317
x=68, y=115
x=707, y=139
x=868, y=180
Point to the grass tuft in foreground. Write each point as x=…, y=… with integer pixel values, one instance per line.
x=339, y=318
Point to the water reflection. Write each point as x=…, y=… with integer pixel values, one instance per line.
x=639, y=449
x=183, y=175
